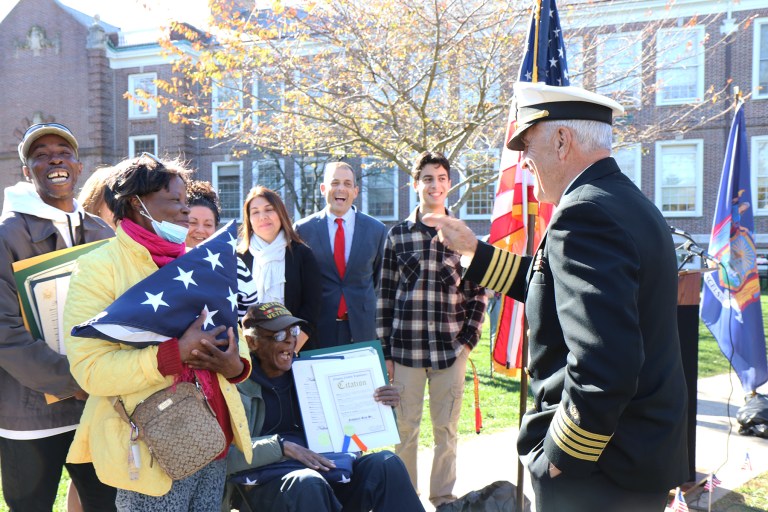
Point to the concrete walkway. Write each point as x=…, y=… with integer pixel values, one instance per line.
x=486, y=458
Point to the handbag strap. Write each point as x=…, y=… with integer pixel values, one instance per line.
x=119, y=405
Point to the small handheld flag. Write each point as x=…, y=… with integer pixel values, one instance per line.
x=747, y=464
x=164, y=304
x=712, y=482
x=679, y=504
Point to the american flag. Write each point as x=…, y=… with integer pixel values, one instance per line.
x=747, y=464
x=515, y=200
x=679, y=504
x=163, y=305
x=712, y=482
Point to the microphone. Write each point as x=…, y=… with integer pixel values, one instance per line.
x=694, y=249
x=680, y=232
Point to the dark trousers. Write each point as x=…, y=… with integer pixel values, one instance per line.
x=595, y=492
x=379, y=483
x=31, y=470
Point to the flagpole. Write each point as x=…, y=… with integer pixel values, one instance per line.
x=531, y=231
x=536, y=43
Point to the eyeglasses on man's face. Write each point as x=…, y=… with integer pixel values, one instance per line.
x=280, y=336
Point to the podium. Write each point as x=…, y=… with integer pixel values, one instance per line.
x=688, y=298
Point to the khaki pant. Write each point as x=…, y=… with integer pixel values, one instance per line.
x=446, y=390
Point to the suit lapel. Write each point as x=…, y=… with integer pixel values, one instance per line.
x=357, y=238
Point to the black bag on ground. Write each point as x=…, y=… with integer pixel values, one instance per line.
x=753, y=417
x=499, y=496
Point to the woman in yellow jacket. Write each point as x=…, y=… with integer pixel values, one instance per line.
x=148, y=200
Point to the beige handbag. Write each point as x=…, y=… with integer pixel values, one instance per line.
x=178, y=426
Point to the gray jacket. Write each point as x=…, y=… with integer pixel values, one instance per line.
x=28, y=367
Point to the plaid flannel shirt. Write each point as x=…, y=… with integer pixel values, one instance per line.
x=426, y=313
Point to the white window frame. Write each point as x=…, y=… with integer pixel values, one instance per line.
x=255, y=171
x=219, y=121
x=631, y=85
x=699, y=178
x=757, y=141
x=636, y=154
x=759, y=24
x=132, y=140
x=134, y=108
x=493, y=156
x=215, y=166
x=369, y=161
x=698, y=54
x=257, y=99
x=297, y=170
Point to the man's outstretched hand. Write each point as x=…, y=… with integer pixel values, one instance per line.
x=452, y=233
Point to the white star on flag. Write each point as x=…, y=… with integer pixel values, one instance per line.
x=233, y=243
x=213, y=259
x=232, y=298
x=185, y=277
x=209, y=317
x=155, y=300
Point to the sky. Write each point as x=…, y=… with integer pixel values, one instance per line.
x=132, y=15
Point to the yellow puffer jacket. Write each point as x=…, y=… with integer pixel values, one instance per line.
x=104, y=369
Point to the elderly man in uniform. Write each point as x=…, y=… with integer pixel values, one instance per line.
x=607, y=430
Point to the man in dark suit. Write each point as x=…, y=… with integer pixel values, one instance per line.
x=607, y=430
x=348, y=247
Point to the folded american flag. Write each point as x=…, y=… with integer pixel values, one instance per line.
x=163, y=305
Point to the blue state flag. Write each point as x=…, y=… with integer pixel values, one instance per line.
x=730, y=301
x=163, y=305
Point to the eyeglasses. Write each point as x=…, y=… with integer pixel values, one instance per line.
x=40, y=126
x=280, y=336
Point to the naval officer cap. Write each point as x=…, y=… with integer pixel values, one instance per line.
x=536, y=102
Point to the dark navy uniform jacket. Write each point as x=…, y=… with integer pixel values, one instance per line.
x=601, y=301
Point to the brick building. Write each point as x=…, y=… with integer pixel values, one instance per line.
x=61, y=65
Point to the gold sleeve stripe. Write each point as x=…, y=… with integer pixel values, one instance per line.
x=491, y=268
x=575, y=441
x=574, y=454
x=570, y=425
x=501, y=271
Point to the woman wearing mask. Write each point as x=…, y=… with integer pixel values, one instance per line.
x=274, y=264
x=148, y=199
x=204, y=212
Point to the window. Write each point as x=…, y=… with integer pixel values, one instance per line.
x=227, y=180
x=575, y=53
x=227, y=104
x=479, y=204
x=308, y=177
x=619, y=69
x=269, y=173
x=142, y=144
x=380, y=189
x=139, y=85
x=760, y=60
x=268, y=99
x=629, y=160
x=759, y=159
x=679, y=65
x=679, y=171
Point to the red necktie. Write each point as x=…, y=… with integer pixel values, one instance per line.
x=341, y=265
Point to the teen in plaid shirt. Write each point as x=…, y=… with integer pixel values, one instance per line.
x=428, y=321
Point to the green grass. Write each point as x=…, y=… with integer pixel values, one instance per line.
x=500, y=399
x=750, y=497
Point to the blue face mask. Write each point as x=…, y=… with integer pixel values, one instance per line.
x=166, y=230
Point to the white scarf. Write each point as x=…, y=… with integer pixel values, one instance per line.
x=268, y=270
